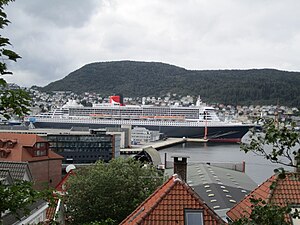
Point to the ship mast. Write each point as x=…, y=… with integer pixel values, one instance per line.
x=205, y=128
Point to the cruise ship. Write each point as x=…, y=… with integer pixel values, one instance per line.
x=197, y=121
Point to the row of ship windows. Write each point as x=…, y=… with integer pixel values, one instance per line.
x=88, y=157
x=80, y=144
x=74, y=138
x=140, y=111
x=62, y=150
x=134, y=112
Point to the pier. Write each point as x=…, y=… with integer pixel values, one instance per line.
x=160, y=144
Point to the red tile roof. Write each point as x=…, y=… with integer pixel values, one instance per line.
x=61, y=187
x=51, y=210
x=167, y=204
x=25, y=139
x=286, y=191
x=18, y=152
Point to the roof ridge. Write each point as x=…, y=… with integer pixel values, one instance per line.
x=250, y=194
x=150, y=196
x=208, y=209
x=15, y=162
x=158, y=200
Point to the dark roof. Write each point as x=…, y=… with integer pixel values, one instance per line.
x=150, y=155
x=220, y=188
x=5, y=177
x=80, y=129
x=167, y=204
x=285, y=191
x=9, y=218
x=17, y=170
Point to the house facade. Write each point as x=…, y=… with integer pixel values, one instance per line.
x=45, y=165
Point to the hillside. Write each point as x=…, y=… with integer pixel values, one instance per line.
x=132, y=79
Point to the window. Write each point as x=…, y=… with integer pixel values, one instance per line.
x=40, y=145
x=40, y=152
x=193, y=217
x=9, y=144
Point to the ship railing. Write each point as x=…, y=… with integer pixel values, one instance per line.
x=131, y=122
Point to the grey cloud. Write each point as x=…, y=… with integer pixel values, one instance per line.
x=56, y=37
x=60, y=12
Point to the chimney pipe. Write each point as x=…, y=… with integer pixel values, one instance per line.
x=180, y=167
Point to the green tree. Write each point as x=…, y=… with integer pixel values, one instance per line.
x=109, y=191
x=264, y=213
x=12, y=102
x=105, y=222
x=17, y=197
x=284, y=142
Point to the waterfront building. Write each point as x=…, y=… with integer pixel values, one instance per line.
x=142, y=135
x=85, y=148
x=124, y=131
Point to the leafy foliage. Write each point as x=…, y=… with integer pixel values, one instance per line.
x=112, y=190
x=105, y=222
x=264, y=213
x=284, y=141
x=18, y=196
x=285, y=149
x=12, y=102
x=136, y=79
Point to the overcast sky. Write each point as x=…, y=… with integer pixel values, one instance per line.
x=57, y=37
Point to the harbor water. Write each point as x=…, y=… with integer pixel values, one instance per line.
x=257, y=167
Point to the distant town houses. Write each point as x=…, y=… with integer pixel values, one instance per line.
x=43, y=102
x=205, y=191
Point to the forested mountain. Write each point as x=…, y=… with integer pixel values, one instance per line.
x=132, y=79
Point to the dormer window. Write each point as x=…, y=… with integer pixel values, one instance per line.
x=40, y=149
x=193, y=217
x=40, y=152
x=1, y=143
x=4, y=153
x=39, y=145
x=10, y=144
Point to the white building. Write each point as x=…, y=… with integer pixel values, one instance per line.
x=142, y=135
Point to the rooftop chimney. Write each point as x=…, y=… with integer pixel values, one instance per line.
x=180, y=166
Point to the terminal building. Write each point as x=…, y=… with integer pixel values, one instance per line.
x=85, y=148
x=141, y=135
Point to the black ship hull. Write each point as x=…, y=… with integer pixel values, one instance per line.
x=226, y=133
